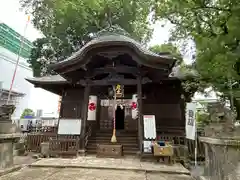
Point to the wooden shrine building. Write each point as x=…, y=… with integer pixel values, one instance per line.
x=115, y=60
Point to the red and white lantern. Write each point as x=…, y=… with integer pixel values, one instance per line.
x=92, y=108
x=134, y=106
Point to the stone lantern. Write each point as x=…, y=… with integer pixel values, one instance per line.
x=8, y=136
x=222, y=145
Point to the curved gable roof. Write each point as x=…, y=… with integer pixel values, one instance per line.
x=147, y=57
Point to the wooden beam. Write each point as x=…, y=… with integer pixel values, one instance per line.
x=140, y=115
x=114, y=81
x=118, y=69
x=84, y=114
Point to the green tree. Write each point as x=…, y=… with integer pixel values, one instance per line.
x=168, y=48
x=213, y=26
x=27, y=112
x=68, y=24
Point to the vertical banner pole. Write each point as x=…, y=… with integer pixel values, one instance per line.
x=195, y=142
x=18, y=58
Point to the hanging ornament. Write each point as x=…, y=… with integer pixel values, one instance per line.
x=91, y=106
x=121, y=106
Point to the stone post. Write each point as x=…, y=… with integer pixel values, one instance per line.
x=8, y=136
x=222, y=146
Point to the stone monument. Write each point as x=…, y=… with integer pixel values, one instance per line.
x=222, y=145
x=8, y=136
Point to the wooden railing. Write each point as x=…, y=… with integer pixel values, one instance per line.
x=61, y=146
x=34, y=140
x=185, y=145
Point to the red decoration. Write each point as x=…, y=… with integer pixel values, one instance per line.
x=134, y=105
x=91, y=106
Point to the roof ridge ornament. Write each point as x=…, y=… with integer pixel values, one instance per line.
x=112, y=29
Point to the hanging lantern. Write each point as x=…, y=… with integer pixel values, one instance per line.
x=92, y=108
x=134, y=106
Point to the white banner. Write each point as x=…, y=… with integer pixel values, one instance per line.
x=92, y=108
x=190, y=126
x=149, y=127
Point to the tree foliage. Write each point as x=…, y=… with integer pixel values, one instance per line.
x=27, y=112
x=213, y=26
x=168, y=48
x=68, y=24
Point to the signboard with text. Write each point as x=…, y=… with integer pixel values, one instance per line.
x=119, y=91
x=190, y=126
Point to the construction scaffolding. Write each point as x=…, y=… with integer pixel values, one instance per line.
x=14, y=97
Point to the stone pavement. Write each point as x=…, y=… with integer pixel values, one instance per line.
x=127, y=163
x=92, y=168
x=88, y=174
x=19, y=162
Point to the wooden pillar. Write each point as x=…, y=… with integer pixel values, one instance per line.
x=84, y=114
x=140, y=115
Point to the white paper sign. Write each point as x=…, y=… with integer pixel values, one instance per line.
x=190, y=126
x=69, y=126
x=149, y=127
x=147, y=146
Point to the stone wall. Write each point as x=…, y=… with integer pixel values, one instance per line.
x=6, y=154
